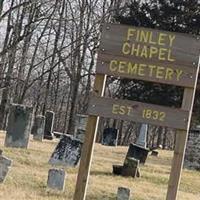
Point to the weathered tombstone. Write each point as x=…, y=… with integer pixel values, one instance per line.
x=123, y=193
x=142, y=139
x=38, y=128
x=110, y=137
x=5, y=164
x=67, y=152
x=117, y=169
x=130, y=167
x=80, y=127
x=154, y=153
x=56, y=179
x=138, y=153
x=48, y=130
x=19, y=126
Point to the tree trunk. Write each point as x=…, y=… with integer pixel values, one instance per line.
x=1, y=6
x=159, y=138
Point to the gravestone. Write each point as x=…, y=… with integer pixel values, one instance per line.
x=19, y=126
x=5, y=164
x=38, y=128
x=117, y=169
x=80, y=128
x=131, y=167
x=192, y=153
x=137, y=152
x=142, y=139
x=49, y=122
x=123, y=193
x=56, y=179
x=67, y=152
x=110, y=137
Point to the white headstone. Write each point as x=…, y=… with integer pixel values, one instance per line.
x=5, y=164
x=142, y=139
x=56, y=179
x=123, y=193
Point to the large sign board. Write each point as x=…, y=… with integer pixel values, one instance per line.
x=138, y=112
x=147, y=54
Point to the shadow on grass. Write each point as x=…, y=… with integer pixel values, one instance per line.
x=100, y=173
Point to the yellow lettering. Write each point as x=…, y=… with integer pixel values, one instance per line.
x=126, y=48
x=132, y=68
x=151, y=67
x=122, y=65
x=169, y=73
x=130, y=33
x=129, y=110
x=144, y=36
x=178, y=74
x=162, y=53
x=169, y=56
x=171, y=40
x=113, y=65
x=135, y=49
x=115, y=109
x=159, y=72
x=122, y=110
x=153, y=51
x=141, y=69
x=151, y=38
x=161, y=39
x=144, y=52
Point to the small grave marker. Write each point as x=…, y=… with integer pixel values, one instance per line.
x=5, y=164
x=123, y=193
x=56, y=179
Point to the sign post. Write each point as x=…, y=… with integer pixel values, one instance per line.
x=149, y=55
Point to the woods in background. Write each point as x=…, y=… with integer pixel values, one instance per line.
x=48, y=51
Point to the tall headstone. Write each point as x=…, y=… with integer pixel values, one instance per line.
x=110, y=137
x=5, y=164
x=123, y=193
x=80, y=128
x=49, y=122
x=67, y=152
x=142, y=139
x=19, y=126
x=38, y=128
x=56, y=179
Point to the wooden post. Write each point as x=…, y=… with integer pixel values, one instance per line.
x=180, y=145
x=88, y=146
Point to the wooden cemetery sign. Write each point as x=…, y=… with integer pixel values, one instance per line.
x=149, y=55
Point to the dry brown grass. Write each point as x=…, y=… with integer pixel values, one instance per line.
x=28, y=176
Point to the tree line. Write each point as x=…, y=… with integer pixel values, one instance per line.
x=48, y=52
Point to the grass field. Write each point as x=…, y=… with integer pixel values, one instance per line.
x=28, y=175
